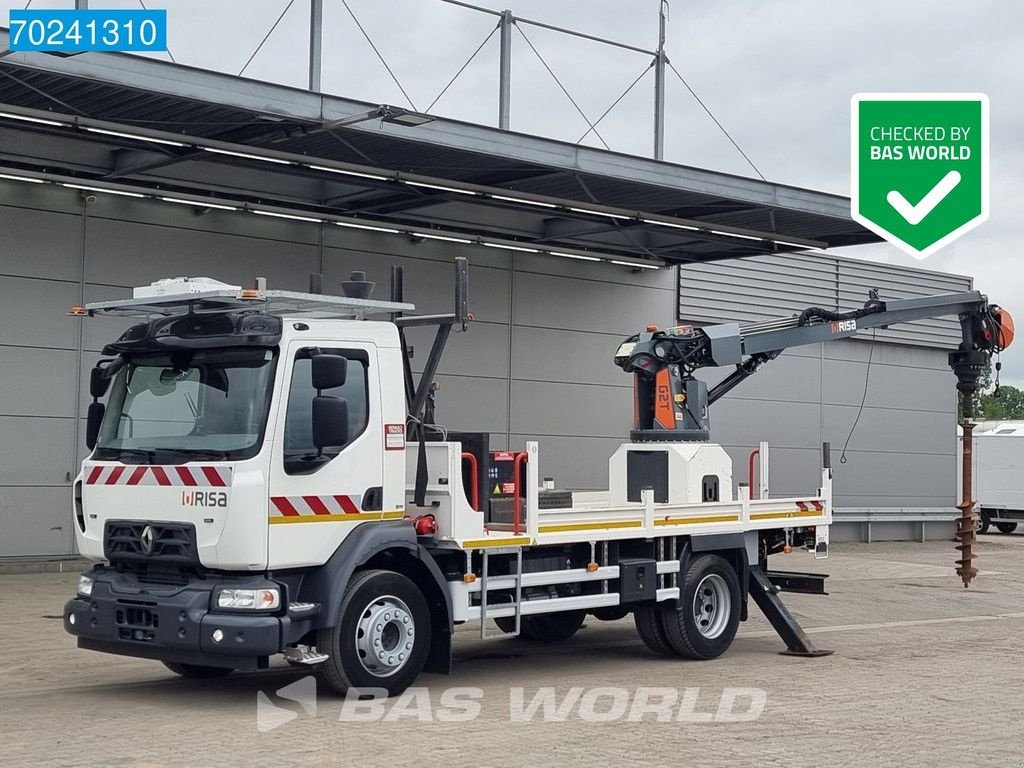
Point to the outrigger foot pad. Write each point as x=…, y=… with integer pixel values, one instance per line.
x=766, y=596
x=810, y=653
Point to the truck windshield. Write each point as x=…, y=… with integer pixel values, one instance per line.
x=188, y=404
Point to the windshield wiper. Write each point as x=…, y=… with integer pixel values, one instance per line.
x=148, y=456
x=197, y=453
x=156, y=455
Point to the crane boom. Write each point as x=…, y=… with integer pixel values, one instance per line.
x=671, y=404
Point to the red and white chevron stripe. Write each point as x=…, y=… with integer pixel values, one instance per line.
x=807, y=506
x=145, y=474
x=299, y=506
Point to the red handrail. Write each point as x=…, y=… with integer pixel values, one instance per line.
x=475, y=484
x=750, y=472
x=520, y=457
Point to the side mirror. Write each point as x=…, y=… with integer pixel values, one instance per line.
x=93, y=419
x=99, y=382
x=330, y=421
x=328, y=371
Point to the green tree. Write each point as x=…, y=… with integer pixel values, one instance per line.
x=1003, y=404
x=1007, y=403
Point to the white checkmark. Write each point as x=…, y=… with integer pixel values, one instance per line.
x=915, y=213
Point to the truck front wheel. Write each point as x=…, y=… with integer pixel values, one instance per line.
x=983, y=522
x=382, y=637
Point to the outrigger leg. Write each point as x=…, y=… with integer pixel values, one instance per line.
x=766, y=596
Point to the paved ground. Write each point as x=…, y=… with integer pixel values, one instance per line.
x=925, y=674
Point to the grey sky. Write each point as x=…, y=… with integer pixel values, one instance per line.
x=779, y=75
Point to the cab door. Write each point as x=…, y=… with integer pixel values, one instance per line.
x=317, y=496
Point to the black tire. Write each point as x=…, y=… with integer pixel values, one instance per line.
x=648, y=625
x=610, y=613
x=983, y=523
x=1006, y=527
x=551, y=627
x=392, y=598
x=718, y=606
x=544, y=627
x=506, y=624
x=197, y=671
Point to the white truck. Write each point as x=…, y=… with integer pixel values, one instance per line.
x=251, y=492
x=998, y=461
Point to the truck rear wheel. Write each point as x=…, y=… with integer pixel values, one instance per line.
x=1006, y=527
x=382, y=637
x=610, y=613
x=705, y=624
x=648, y=625
x=544, y=627
x=197, y=671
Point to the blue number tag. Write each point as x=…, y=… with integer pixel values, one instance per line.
x=73, y=31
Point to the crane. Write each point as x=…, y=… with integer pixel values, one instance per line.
x=671, y=404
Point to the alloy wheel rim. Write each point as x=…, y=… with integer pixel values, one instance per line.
x=384, y=636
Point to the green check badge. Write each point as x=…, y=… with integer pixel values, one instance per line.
x=919, y=171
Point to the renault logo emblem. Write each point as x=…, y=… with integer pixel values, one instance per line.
x=147, y=539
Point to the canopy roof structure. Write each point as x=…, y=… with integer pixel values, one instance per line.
x=131, y=125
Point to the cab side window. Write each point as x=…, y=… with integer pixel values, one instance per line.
x=300, y=455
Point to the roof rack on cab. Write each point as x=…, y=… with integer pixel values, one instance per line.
x=191, y=295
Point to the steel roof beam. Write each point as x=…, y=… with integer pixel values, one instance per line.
x=247, y=154
x=417, y=196
x=316, y=109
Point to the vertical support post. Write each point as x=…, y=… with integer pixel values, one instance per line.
x=532, y=489
x=659, y=84
x=762, y=475
x=505, y=70
x=821, y=532
x=647, y=499
x=81, y=5
x=316, y=43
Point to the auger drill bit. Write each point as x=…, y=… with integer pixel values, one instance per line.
x=965, y=524
x=968, y=367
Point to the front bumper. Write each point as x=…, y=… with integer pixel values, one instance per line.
x=173, y=623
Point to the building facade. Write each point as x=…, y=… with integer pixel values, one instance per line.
x=536, y=363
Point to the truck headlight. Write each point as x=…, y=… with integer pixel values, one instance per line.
x=84, y=586
x=252, y=599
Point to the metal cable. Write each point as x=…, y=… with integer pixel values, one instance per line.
x=616, y=102
x=567, y=94
x=266, y=37
x=863, y=399
x=171, y=55
x=712, y=116
x=462, y=68
x=380, y=56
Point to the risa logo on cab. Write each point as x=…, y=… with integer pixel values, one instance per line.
x=204, y=499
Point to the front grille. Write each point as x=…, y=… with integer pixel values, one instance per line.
x=164, y=577
x=135, y=622
x=137, y=617
x=145, y=542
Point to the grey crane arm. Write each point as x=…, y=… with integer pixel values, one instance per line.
x=679, y=352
